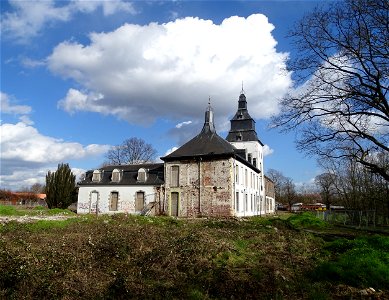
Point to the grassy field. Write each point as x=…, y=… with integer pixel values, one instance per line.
x=128, y=257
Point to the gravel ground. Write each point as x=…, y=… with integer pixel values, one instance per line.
x=29, y=219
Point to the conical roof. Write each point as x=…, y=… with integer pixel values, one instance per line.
x=206, y=144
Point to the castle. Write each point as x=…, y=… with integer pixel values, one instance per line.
x=206, y=177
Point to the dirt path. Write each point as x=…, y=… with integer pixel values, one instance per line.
x=29, y=219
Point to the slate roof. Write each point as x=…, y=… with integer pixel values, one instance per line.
x=242, y=124
x=207, y=144
x=155, y=175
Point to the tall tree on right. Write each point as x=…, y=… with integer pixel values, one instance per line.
x=339, y=104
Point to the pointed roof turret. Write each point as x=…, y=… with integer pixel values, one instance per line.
x=209, y=125
x=242, y=124
x=206, y=144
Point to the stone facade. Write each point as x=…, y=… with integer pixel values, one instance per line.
x=204, y=188
x=206, y=177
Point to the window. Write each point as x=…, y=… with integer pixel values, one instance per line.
x=142, y=175
x=174, y=180
x=237, y=201
x=255, y=162
x=96, y=176
x=115, y=175
x=239, y=137
x=249, y=156
x=237, y=174
x=113, y=205
x=245, y=177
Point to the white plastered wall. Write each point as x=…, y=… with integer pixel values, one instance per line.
x=96, y=199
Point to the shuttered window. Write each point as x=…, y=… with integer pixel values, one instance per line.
x=96, y=176
x=175, y=176
x=142, y=175
x=115, y=175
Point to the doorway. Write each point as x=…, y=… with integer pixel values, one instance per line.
x=174, y=204
x=139, y=201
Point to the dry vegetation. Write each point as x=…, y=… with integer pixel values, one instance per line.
x=127, y=257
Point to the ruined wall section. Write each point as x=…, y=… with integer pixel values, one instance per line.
x=205, y=188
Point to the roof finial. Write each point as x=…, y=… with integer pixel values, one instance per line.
x=242, y=91
x=209, y=100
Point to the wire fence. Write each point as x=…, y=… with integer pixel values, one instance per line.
x=359, y=218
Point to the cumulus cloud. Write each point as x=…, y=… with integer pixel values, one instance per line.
x=24, y=143
x=9, y=108
x=139, y=73
x=267, y=150
x=28, y=18
x=24, y=177
x=25, y=151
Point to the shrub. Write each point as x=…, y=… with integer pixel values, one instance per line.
x=362, y=262
x=306, y=220
x=6, y=210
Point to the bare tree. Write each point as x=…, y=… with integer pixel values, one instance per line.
x=285, y=191
x=289, y=192
x=339, y=104
x=326, y=184
x=131, y=151
x=37, y=188
x=278, y=178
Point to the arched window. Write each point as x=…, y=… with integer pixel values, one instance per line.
x=96, y=176
x=142, y=175
x=116, y=175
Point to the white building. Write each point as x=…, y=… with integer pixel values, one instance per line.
x=207, y=176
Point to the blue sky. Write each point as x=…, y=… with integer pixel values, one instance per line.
x=80, y=76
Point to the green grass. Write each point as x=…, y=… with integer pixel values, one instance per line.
x=306, y=220
x=363, y=262
x=124, y=256
x=9, y=210
x=6, y=210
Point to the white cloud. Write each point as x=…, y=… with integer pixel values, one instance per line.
x=267, y=150
x=20, y=178
x=28, y=18
x=179, y=125
x=8, y=108
x=24, y=143
x=139, y=73
x=170, y=150
x=32, y=63
x=26, y=120
x=24, y=151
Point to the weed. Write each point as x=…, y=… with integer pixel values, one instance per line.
x=7, y=210
x=306, y=220
x=59, y=211
x=362, y=262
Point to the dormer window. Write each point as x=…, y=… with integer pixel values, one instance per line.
x=116, y=175
x=239, y=137
x=142, y=175
x=96, y=176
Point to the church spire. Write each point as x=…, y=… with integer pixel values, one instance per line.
x=209, y=125
x=242, y=124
